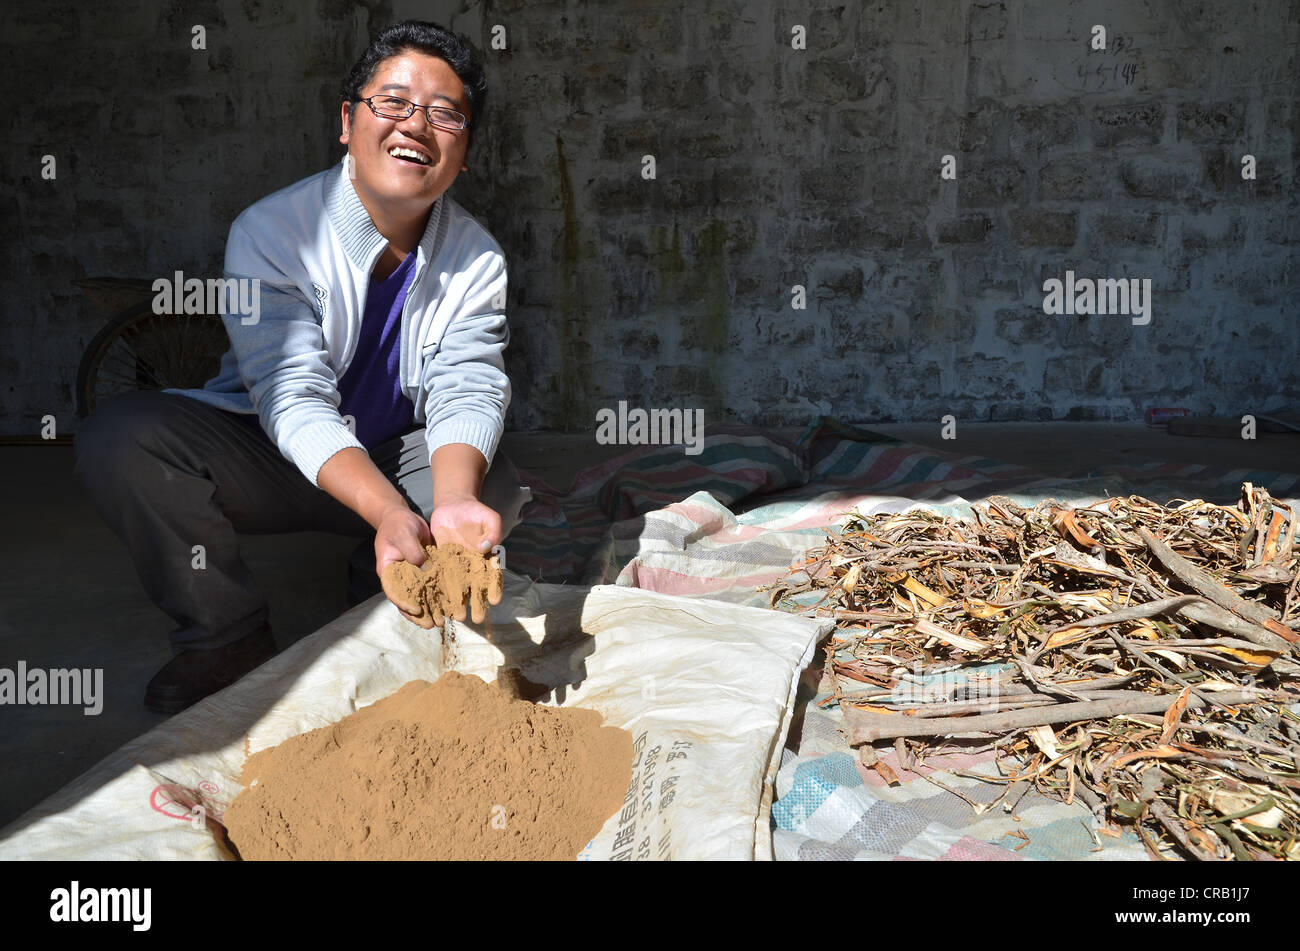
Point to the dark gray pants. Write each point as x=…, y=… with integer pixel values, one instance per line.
x=168, y=473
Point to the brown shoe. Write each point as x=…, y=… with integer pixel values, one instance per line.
x=194, y=674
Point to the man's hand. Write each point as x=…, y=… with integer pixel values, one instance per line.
x=471, y=524
x=466, y=521
x=451, y=579
x=401, y=536
x=463, y=521
x=458, y=517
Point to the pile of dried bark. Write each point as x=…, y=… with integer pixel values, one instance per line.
x=1140, y=657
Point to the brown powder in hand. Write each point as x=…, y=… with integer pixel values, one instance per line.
x=455, y=769
x=451, y=577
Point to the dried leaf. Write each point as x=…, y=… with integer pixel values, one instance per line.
x=1157, y=752
x=1072, y=558
x=983, y=609
x=1201, y=839
x=1064, y=519
x=1174, y=715
x=1045, y=740
x=1068, y=635
x=1098, y=602
x=887, y=774
x=956, y=640
x=1269, y=573
x=1127, y=807
x=1255, y=658
x=1178, y=660
x=932, y=598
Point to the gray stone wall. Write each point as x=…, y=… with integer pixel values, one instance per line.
x=774, y=166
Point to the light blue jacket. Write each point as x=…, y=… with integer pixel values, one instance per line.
x=312, y=246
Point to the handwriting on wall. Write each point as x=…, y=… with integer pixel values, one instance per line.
x=1112, y=69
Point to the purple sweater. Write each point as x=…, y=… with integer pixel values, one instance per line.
x=371, y=390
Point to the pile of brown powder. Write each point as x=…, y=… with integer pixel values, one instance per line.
x=451, y=578
x=456, y=769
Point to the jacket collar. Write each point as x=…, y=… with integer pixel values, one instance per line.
x=357, y=233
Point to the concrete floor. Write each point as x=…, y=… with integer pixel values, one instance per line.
x=71, y=599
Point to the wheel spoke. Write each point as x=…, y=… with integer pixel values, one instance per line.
x=142, y=371
x=153, y=351
x=118, y=376
x=122, y=367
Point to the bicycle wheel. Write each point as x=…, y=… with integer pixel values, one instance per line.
x=141, y=350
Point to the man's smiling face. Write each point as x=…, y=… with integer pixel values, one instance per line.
x=404, y=185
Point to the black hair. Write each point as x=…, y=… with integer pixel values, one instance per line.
x=424, y=37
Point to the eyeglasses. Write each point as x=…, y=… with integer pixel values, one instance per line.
x=395, y=107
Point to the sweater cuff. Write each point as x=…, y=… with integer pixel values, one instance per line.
x=474, y=429
x=313, y=445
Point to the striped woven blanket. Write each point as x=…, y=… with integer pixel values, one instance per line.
x=735, y=517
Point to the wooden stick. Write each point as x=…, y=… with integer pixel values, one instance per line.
x=1290, y=598
x=1141, y=655
x=867, y=727
x=952, y=708
x=1193, y=607
x=1010, y=692
x=1195, y=578
x=1244, y=740
x=986, y=565
x=1027, y=671
x=1165, y=816
x=1133, y=613
x=1211, y=615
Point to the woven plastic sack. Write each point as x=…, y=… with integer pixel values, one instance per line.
x=705, y=688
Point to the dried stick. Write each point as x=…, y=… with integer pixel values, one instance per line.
x=987, y=565
x=1141, y=655
x=1007, y=691
x=1165, y=816
x=1214, y=616
x=1059, y=690
x=1200, y=581
x=1134, y=613
x=1290, y=598
x=1243, y=739
x=867, y=727
x=998, y=704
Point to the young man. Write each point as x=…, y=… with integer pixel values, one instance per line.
x=369, y=395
